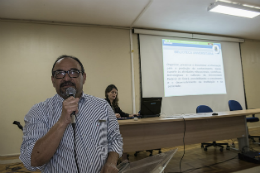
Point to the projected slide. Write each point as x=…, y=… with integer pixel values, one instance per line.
x=192, y=68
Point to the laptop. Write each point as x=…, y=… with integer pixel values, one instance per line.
x=151, y=107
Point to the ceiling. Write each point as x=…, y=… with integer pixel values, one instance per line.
x=189, y=16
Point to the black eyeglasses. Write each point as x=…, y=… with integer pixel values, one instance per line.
x=59, y=74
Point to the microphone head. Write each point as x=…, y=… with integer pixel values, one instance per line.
x=70, y=92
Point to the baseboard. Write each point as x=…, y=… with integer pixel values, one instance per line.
x=254, y=127
x=2, y=162
x=6, y=155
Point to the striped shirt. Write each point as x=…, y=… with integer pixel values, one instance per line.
x=97, y=134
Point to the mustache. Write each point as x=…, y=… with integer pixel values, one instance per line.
x=67, y=83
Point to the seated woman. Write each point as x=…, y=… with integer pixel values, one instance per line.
x=111, y=94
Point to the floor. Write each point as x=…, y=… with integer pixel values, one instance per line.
x=195, y=160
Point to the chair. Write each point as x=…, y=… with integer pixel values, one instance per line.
x=203, y=109
x=18, y=124
x=234, y=106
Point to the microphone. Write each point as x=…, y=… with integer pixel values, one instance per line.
x=71, y=92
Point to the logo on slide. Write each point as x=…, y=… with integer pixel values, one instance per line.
x=216, y=49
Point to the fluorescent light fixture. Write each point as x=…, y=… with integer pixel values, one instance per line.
x=235, y=9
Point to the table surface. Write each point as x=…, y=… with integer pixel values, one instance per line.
x=162, y=119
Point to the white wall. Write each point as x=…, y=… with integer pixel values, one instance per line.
x=250, y=52
x=28, y=52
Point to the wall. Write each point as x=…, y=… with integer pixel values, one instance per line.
x=250, y=53
x=28, y=52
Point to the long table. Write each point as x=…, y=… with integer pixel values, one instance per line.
x=158, y=132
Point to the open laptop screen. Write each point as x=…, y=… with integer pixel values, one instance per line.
x=151, y=107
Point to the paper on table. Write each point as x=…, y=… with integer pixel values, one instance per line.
x=191, y=115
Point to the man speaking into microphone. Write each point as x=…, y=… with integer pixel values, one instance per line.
x=71, y=132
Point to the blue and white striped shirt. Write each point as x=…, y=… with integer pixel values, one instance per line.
x=97, y=134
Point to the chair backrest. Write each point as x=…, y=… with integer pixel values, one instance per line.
x=234, y=105
x=203, y=108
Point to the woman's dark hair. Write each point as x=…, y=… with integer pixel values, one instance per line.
x=67, y=56
x=108, y=89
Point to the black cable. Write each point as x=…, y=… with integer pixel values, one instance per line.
x=184, y=154
x=183, y=145
x=75, y=153
x=183, y=141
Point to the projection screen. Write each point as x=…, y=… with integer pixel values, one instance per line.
x=187, y=73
